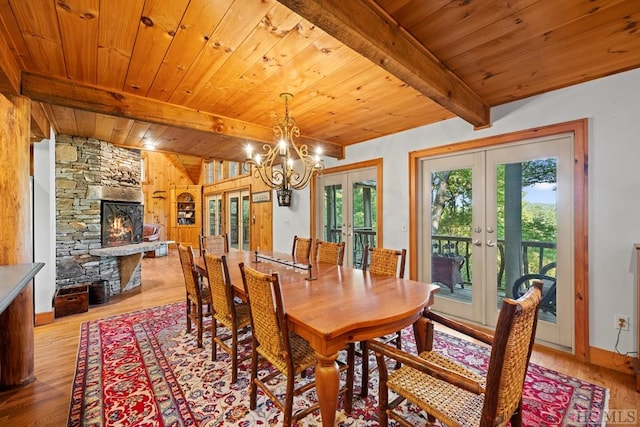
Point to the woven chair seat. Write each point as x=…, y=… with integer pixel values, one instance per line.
x=448, y=363
x=303, y=355
x=244, y=317
x=448, y=403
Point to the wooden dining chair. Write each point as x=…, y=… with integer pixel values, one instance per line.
x=214, y=244
x=233, y=316
x=301, y=247
x=288, y=353
x=329, y=252
x=388, y=263
x=450, y=392
x=197, y=295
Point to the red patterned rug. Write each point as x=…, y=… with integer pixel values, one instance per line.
x=143, y=369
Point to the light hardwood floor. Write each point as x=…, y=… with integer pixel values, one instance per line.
x=45, y=402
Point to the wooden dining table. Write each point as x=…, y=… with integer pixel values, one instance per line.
x=334, y=306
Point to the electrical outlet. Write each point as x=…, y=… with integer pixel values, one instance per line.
x=622, y=322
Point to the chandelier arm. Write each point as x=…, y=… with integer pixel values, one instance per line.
x=277, y=170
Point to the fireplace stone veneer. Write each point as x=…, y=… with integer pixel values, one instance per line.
x=89, y=171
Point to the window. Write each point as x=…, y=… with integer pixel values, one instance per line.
x=233, y=169
x=210, y=172
x=218, y=171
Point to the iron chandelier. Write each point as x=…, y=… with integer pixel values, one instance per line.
x=275, y=166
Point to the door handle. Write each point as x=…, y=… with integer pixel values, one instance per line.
x=491, y=243
x=477, y=242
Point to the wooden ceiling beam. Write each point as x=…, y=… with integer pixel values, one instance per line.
x=365, y=28
x=70, y=94
x=40, y=124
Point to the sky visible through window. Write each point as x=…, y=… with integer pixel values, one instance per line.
x=540, y=193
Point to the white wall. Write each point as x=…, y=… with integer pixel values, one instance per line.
x=611, y=105
x=44, y=217
x=290, y=221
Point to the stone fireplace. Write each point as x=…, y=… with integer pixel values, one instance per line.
x=121, y=223
x=88, y=172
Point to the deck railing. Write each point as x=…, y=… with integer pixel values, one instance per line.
x=535, y=255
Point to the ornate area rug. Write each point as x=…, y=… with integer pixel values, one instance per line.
x=143, y=369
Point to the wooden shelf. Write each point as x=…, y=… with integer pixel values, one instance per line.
x=186, y=209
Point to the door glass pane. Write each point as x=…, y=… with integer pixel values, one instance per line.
x=527, y=230
x=332, y=218
x=215, y=215
x=234, y=222
x=219, y=216
x=451, y=216
x=245, y=223
x=365, y=217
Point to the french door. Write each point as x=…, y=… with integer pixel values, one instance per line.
x=347, y=211
x=238, y=224
x=492, y=220
x=213, y=225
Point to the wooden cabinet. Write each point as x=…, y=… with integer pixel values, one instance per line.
x=185, y=222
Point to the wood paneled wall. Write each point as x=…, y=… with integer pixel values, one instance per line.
x=161, y=176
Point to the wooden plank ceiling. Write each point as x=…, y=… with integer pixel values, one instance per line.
x=202, y=78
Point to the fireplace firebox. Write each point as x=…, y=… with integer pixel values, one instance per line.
x=121, y=223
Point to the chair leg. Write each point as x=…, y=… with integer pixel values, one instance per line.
x=214, y=335
x=288, y=401
x=253, y=387
x=200, y=325
x=364, y=350
x=383, y=394
x=516, y=418
x=234, y=355
x=188, y=315
x=351, y=360
x=399, y=347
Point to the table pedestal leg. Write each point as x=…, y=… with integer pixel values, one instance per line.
x=327, y=387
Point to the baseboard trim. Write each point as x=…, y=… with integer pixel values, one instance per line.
x=611, y=360
x=44, y=318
